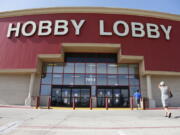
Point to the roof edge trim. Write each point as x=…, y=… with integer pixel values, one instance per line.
x=102, y=10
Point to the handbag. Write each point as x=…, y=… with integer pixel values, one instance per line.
x=170, y=94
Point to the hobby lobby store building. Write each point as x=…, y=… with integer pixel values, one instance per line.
x=83, y=53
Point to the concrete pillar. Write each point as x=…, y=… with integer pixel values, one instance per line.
x=152, y=103
x=31, y=86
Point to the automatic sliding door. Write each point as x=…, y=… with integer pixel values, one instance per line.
x=66, y=97
x=76, y=96
x=56, y=97
x=85, y=97
x=125, y=97
x=117, y=96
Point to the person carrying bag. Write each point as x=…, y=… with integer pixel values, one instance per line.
x=165, y=95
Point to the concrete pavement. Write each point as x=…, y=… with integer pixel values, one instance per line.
x=14, y=121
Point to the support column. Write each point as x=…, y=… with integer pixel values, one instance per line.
x=31, y=86
x=152, y=103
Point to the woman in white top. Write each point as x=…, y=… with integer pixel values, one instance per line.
x=165, y=98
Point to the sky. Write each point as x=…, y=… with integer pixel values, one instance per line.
x=167, y=6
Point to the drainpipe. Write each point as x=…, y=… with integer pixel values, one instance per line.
x=31, y=86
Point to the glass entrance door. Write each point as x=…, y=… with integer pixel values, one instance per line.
x=65, y=95
x=117, y=96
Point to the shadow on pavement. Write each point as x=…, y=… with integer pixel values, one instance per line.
x=176, y=117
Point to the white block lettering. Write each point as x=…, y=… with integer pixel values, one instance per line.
x=61, y=25
x=137, y=29
x=77, y=27
x=152, y=30
x=15, y=29
x=44, y=28
x=102, y=32
x=124, y=24
x=166, y=31
x=24, y=28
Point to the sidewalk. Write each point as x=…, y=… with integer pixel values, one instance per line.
x=18, y=121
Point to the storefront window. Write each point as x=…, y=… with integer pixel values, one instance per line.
x=108, y=93
x=47, y=68
x=109, y=74
x=133, y=69
x=57, y=78
x=79, y=79
x=123, y=79
x=101, y=79
x=46, y=78
x=134, y=79
x=112, y=68
x=90, y=68
x=69, y=68
x=58, y=68
x=45, y=90
x=79, y=67
x=90, y=79
x=101, y=68
x=123, y=68
x=112, y=80
x=68, y=79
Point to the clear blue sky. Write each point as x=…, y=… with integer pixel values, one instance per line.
x=168, y=6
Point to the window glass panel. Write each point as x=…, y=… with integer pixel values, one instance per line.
x=58, y=68
x=123, y=79
x=125, y=93
x=116, y=93
x=79, y=67
x=123, y=68
x=101, y=68
x=46, y=78
x=66, y=92
x=134, y=79
x=100, y=93
x=69, y=68
x=56, y=92
x=133, y=89
x=45, y=90
x=112, y=69
x=101, y=79
x=79, y=79
x=47, y=68
x=90, y=68
x=68, y=79
x=75, y=92
x=133, y=69
x=57, y=78
x=112, y=80
x=85, y=93
x=90, y=79
x=108, y=93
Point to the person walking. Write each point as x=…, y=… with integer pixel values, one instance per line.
x=165, y=91
x=137, y=96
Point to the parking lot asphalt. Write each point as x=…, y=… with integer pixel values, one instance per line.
x=27, y=121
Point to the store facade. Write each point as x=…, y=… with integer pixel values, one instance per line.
x=87, y=53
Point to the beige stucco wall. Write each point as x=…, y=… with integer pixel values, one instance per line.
x=13, y=89
x=143, y=86
x=36, y=87
x=172, y=81
x=174, y=84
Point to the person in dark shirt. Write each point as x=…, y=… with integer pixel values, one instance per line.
x=137, y=97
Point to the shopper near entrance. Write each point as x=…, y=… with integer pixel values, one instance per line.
x=165, y=95
x=137, y=97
